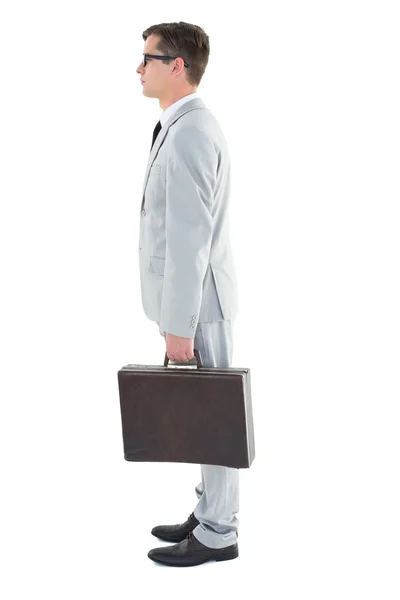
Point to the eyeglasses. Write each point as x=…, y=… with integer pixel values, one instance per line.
x=158, y=57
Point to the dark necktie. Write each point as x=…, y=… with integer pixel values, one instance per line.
x=156, y=131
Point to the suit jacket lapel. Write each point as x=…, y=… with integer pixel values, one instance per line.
x=194, y=104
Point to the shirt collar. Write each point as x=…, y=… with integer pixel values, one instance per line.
x=168, y=112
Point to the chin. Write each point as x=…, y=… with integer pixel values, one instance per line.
x=148, y=93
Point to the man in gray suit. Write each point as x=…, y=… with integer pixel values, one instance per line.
x=187, y=272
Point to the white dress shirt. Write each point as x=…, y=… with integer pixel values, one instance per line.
x=168, y=112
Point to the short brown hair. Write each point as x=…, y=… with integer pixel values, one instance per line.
x=184, y=40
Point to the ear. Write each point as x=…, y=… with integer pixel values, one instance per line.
x=178, y=65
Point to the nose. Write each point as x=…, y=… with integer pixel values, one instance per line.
x=140, y=68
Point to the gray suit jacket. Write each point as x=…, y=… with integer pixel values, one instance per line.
x=187, y=272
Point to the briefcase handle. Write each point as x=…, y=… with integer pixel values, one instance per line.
x=194, y=361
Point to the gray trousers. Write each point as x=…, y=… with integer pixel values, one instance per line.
x=218, y=491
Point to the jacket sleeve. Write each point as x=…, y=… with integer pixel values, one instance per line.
x=190, y=186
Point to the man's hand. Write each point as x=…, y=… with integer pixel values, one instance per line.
x=179, y=349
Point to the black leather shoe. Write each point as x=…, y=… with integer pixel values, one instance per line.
x=190, y=552
x=175, y=533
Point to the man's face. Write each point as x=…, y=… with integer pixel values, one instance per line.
x=156, y=75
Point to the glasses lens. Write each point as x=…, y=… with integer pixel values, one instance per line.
x=144, y=60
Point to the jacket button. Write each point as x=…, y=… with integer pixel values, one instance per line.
x=143, y=212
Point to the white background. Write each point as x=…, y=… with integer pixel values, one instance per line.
x=308, y=96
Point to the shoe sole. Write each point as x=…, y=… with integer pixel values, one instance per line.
x=227, y=556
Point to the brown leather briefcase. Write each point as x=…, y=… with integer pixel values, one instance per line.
x=183, y=414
